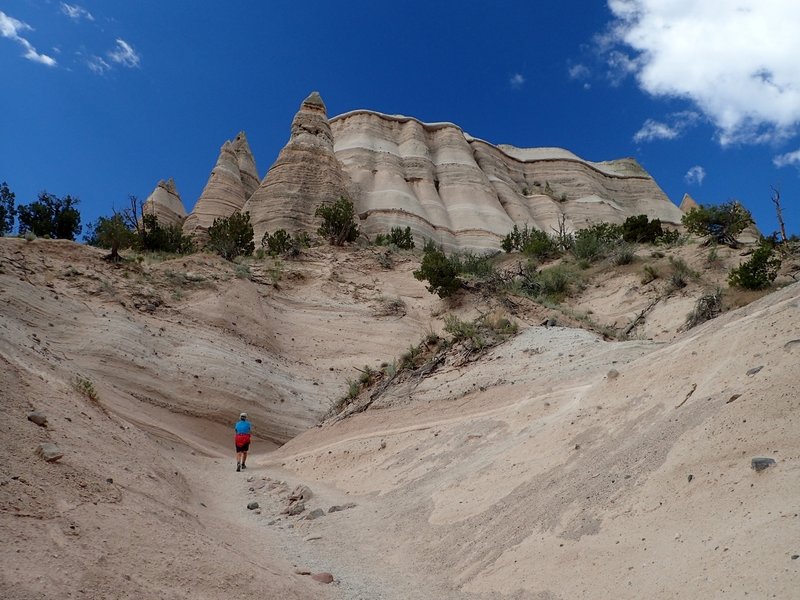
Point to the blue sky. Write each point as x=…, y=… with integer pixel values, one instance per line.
x=103, y=99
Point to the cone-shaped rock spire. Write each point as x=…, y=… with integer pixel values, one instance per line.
x=306, y=174
x=165, y=203
x=688, y=203
x=247, y=164
x=231, y=183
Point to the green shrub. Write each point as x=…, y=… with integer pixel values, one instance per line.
x=556, y=281
x=281, y=242
x=111, y=233
x=7, y=209
x=397, y=236
x=720, y=223
x=338, y=221
x=154, y=237
x=650, y=274
x=551, y=283
x=531, y=242
x=623, y=254
x=478, y=265
x=595, y=242
x=759, y=271
x=231, y=236
x=439, y=271
x=640, y=230
x=681, y=273
x=85, y=387
x=276, y=243
x=51, y=216
x=462, y=330
x=242, y=271
x=671, y=238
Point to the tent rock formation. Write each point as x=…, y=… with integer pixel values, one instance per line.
x=165, y=203
x=232, y=181
x=460, y=191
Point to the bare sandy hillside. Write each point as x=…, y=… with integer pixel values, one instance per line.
x=557, y=464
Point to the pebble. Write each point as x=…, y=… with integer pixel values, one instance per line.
x=315, y=514
x=323, y=577
x=760, y=463
x=49, y=452
x=252, y=506
x=38, y=418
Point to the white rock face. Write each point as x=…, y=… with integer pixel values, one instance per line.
x=165, y=203
x=460, y=191
x=466, y=193
x=305, y=175
x=233, y=179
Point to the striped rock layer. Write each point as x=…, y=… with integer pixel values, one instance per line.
x=306, y=174
x=460, y=191
x=165, y=203
x=465, y=193
x=233, y=180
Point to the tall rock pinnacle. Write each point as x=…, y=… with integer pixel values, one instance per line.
x=306, y=174
x=247, y=164
x=233, y=179
x=165, y=203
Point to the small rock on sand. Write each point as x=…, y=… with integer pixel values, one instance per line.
x=38, y=418
x=760, y=463
x=340, y=507
x=49, y=452
x=252, y=506
x=323, y=577
x=315, y=514
x=295, y=508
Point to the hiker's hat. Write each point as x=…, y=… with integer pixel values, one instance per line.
x=243, y=416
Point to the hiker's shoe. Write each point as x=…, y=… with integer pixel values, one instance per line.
x=243, y=467
x=238, y=467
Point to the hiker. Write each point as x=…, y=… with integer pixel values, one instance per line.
x=242, y=440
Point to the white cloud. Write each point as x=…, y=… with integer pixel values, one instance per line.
x=656, y=130
x=735, y=59
x=578, y=71
x=124, y=54
x=10, y=28
x=516, y=81
x=785, y=160
x=75, y=12
x=695, y=175
x=97, y=64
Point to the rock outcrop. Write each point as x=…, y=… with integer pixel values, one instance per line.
x=231, y=183
x=688, y=203
x=306, y=174
x=464, y=192
x=460, y=191
x=165, y=203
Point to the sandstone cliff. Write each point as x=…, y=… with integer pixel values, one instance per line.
x=165, y=203
x=460, y=191
x=231, y=183
x=464, y=192
x=306, y=174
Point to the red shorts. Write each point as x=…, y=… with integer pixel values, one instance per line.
x=242, y=441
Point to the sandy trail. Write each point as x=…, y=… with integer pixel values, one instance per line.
x=351, y=544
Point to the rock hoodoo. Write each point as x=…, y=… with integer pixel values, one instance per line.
x=688, y=203
x=228, y=187
x=306, y=174
x=165, y=203
x=460, y=191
